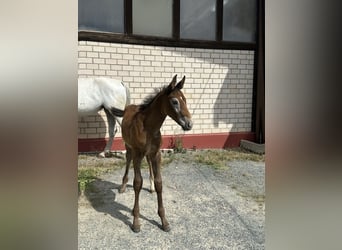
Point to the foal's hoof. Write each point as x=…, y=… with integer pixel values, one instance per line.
x=136, y=229
x=122, y=190
x=166, y=228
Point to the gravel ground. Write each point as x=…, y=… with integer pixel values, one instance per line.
x=206, y=209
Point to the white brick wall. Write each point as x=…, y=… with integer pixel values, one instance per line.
x=218, y=86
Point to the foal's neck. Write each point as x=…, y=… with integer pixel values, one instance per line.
x=155, y=116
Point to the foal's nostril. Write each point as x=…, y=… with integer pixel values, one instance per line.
x=190, y=125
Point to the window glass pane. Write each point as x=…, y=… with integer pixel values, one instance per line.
x=198, y=19
x=239, y=20
x=101, y=15
x=152, y=17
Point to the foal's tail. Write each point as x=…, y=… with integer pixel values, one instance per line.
x=117, y=112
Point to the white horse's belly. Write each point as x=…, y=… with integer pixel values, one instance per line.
x=88, y=105
x=96, y=93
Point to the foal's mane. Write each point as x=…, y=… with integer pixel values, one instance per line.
x=151, y=97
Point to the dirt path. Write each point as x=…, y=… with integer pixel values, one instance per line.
x=206, y=208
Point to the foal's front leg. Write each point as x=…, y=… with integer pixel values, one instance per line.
x=137, y=184
x=156, y=159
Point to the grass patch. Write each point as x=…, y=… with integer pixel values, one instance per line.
x=218, y=158
x=91, y=167
x=86, y=175
x=259, y=198
x=215, y=159
x=167, y=158
x=239, y=154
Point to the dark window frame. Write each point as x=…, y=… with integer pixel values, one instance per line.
x=175, y=41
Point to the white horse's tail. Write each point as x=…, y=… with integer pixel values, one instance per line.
x=117, y=112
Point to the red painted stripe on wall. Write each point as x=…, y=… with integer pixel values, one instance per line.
x=198, y=141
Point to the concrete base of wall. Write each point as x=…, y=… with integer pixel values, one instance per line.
x=252, y=146
x=199, y=141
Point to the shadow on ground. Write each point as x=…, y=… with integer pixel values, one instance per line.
x=101, y=195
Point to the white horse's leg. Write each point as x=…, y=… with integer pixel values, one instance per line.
x=111, y=131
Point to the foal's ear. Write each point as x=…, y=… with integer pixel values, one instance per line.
x=181, y=83
x=172, y=84
x=174, y=80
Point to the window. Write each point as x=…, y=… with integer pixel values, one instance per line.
x=152, y=17
x=198, y=19
x=239, y=20
x=101, y=15
x=226, y=24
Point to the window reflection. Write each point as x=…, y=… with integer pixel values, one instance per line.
x=198, y=19
x=152, y=17
x=101, y=15
x=239, y=20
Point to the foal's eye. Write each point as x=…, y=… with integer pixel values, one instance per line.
x=174, y=102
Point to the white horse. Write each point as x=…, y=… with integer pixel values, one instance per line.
x=95, y=94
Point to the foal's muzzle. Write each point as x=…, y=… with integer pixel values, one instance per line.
x=186, y=124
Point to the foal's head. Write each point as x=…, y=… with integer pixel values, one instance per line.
x=175, y=104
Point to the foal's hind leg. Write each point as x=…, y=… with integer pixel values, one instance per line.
x=128, y=162
x=152, y=189
x=156, y=159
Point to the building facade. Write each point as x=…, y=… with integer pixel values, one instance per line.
x=218, y=60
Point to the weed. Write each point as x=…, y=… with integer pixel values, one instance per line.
x=177, y=144
x=86, y=175
x=167, y=159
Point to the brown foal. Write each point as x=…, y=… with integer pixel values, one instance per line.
x=141, y=132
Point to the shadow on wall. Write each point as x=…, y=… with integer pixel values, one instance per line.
x=221, y=83
x=220, y=96
x=233, y=104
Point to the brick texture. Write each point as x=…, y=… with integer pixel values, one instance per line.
x=218, y=86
